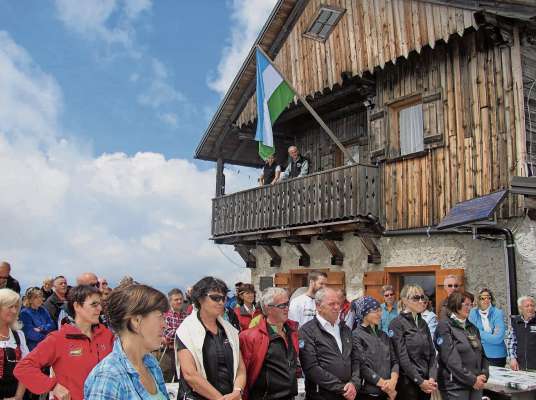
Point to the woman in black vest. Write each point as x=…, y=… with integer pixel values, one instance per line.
x=463, y=368
x=414, y=346
x=377, y=359
x=12, y=344
x=270, y=172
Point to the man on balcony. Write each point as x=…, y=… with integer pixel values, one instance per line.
x=297, y=166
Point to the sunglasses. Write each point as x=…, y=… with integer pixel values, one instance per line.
x=388, y=295
x=450, y=285
x=281, y=306
x=217, y=298
x=421, y=297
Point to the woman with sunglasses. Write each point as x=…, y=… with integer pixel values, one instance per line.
x=413, y=346
x=72, y=351
x=12, y=345
x=463, y=368
x=36, y=321
x=377, y=358
x=490, y=323
x=209, y=363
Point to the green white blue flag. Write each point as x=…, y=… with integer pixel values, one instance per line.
x=273, y=96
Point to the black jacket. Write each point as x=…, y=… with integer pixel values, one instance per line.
x=53, y=306
x=326, y=370
x=414, y=347
x=376, y=355
x=461, y=355
x=13, y=284
x=526, y=341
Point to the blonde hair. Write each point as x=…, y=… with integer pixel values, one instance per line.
x=30, y=294
x=407, y=292
x=9, y=298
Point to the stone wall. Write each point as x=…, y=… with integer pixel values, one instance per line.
x=483, y=259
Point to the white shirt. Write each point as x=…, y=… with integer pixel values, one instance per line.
x=12, y=344
x=333, y=330
x=302, y=309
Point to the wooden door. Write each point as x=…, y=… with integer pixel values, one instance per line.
x=441, y=293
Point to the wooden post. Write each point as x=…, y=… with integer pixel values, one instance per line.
x=220, y=178
x=311, y=110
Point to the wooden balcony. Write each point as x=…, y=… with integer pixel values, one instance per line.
x=333, y=196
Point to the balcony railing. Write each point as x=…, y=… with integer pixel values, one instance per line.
x=335, y=195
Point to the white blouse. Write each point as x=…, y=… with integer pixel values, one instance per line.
x=11, y=343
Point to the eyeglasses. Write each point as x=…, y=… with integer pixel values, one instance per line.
x=485, y=297
x=467, y=305
x=94, y=284
x=217, y=298
x=388, y=295
x=95, y=304
x=421, y=297
x=281, y=306
x=455, y=285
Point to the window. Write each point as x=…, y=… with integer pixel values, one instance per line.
x=410, y=127
x=325, y=20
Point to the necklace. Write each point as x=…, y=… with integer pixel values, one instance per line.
x=4, y=338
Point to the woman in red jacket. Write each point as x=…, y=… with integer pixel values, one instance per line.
x=245, y=310
x=72, y=352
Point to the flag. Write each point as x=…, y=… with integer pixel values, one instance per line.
x=273, y=96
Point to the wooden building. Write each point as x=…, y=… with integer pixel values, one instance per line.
x=434, y=99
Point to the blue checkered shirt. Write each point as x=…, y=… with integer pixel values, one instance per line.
x=115, y=378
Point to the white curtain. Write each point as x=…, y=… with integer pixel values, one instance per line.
x=411, y=129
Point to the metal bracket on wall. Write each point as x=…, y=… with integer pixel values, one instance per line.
x=374, y=256
x=245, y=252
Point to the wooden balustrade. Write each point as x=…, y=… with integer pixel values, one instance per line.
x=335, y=195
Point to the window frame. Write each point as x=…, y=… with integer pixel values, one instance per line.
x=393, y=129
x=330, y=8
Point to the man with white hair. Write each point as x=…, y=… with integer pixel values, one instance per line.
x=297, y=166
x=270, y=350
x=6, y=280
x=452, y=284
x=327, y=357
x=521, y=340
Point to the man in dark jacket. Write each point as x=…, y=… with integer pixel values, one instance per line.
x=55, y=302
x=326, y=354
x=297, y=166
x=270, y=350
x=6, y=280
x=521, y=339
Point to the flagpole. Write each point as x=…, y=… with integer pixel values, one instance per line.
x=310, y=109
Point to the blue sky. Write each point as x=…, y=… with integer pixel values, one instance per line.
x=102, y=103
x=101, y=83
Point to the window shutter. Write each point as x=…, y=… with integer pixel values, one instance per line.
x=282, y=280
x=433, y=122
x=336, y=280
x=373, y=282
x=377, y=133
x=441, y=294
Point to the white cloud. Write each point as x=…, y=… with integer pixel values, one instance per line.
x=62, y=210
x=160, y=91
x=170, y=118
x=108, y=20
x=248, y=17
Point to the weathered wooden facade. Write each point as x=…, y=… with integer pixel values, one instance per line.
x=460, y=74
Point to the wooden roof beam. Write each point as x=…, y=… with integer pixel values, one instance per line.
x=247, y=256
x=337, y=256
x=305, y=259
x=275, y=259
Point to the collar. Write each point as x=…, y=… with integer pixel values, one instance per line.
x=384, y=306
x=485, y=312
x=148, y=360
x=324, y=322
x=461, y=322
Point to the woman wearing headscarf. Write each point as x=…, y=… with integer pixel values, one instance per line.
x=12, y=345
x=36, y=321
x=463, y=368
x=490, y=323
x=414, y=346
x=379, y=367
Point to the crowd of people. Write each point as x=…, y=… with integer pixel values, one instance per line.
x=93, y=342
